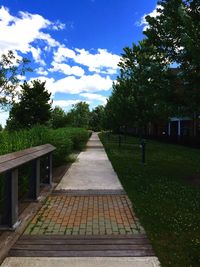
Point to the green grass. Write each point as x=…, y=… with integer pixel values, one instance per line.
x=167, y=205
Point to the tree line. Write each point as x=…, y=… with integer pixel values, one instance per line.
x=30, y=104
x=148, y=89
x=34, y=107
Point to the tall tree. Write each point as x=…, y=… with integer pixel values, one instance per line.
x=10, y=68
x=79, y=115
x=143, y=89
x=176, y=32
x=58, y=118
x=34, y=106
x=96, y=118
x=120, y=109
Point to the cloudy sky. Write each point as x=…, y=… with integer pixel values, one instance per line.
x=74, y=45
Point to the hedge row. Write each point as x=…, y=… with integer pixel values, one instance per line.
x=64, y=139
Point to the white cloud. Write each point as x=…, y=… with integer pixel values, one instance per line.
x=58, y=25
x=41, y=71
x=98, y=97
x=74, y=85
x=86, y=83
x=66, y=69
x=21, y=77
x=36, y=53
x=97, y=62
x=153, y=14
x=3, y=118
x=65, y=103
x=63, y=53
x=100, y=62
x=18, y=33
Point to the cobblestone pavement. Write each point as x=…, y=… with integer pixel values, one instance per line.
x=85, y=215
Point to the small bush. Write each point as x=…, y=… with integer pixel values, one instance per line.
x=63, y=144
x=78, y=136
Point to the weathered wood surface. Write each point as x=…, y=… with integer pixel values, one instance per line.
x=82, y=246
x=16, y=159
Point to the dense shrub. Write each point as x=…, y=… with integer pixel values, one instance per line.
x=15, y=141
x=63, y=144
x=64, y=139
x=79, y=137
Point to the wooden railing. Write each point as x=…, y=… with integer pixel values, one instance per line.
x=9, y=165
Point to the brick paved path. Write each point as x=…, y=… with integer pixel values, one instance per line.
x=85, y=215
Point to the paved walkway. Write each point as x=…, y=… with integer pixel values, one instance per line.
x=92, y=170
x=87, y=221
x=85, y=215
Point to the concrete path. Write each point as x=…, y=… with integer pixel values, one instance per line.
x=81, y=262
x=91, y=171
x=70, y=215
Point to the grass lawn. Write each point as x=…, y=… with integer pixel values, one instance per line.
x=167, y=205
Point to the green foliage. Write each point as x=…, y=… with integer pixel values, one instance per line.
x=63, y=143
x=97, y=118
x=167, y=205
x=59, y=118
x=79, y=115
x=79, y=137
x=33, y=108
x=147, y=90
x=10, y=68
x=176, y=32
x=64, y=139
x=143, y=88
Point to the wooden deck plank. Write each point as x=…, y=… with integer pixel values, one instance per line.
x=55, y=253
x=78, y=237
x=83, y=242
x=82, y=246
x=77, y=247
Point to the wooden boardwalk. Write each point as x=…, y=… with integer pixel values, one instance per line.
x=82, y=246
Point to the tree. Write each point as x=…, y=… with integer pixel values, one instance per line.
x=147, y=89
x=176, y=32
x=143, y=88
x=10, y=68
x=58, y=118
x=96, y=118
x=79, y=115
x=33, y=108
x=120, y=108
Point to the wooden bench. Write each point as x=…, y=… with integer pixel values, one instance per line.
x=9, y=165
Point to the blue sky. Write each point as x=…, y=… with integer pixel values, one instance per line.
x=74, y=45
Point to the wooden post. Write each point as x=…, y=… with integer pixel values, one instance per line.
x=169, y=129
x=11, y=199
x=179, y=127
x=34, y=188
x=49, y=169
